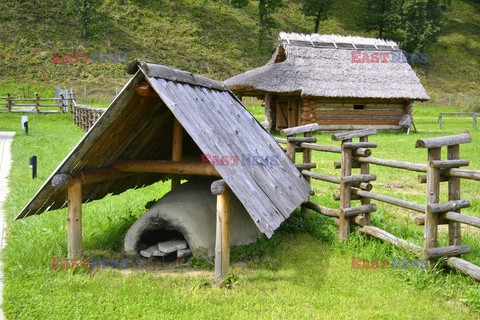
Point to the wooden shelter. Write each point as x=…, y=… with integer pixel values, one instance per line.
x=313, y=78
x=157, y=128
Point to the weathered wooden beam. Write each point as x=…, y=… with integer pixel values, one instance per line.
x=462, y=173
x=364, y=169
x=321, y=209
x=448, y=206
x=353, y=211
x=356, y=145
x=420, y=220
x=177, y=147
x=301, y=139
x=359, y=178
x=431, y=143
x=449, y=251
x=160, y=166
x=454, y=228
x=353, y=134
x=464, y=266
x=280, y=140
x=222, y=243
x=218, y=187
x=461, y=218
x=338, y=165
x=391, y=200
x=388, y=237
x=362, y=152
x=361, y=221
x=62, y=180
x=300, y=129
x=74, y=219
x=345, y=191
x=304, y=166
x=443, y=164
x=321, y=177
x=317, y=147
x=394, y=164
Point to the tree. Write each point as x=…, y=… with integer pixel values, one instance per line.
x=86, y=12
x=421, y=21
x=320, y=10
x=265, y=10
x=378, y=15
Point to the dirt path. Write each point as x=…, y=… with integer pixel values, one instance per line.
x=5, y=163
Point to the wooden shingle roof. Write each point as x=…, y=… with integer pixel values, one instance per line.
x=135, y=127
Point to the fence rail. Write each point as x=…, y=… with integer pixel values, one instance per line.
x=358, y=186
x=11, y=104
x=474, y=116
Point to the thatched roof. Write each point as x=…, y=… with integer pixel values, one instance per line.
x=321, y=66
x=137, y=127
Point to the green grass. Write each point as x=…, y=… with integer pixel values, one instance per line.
x=303, y=272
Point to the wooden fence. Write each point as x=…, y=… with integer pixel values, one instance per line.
x=474, y=116
x=85, y=116
x=357, y=155
x=35, y=104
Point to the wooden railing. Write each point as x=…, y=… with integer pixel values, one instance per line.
x=357, y=155
x=35, y=104
x=85, y=116
x=474, y=116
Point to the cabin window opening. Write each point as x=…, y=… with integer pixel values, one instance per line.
x=358, y=107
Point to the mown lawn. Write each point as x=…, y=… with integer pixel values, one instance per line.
x=303, y=272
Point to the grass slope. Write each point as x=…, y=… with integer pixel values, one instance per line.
x=303, y=272
x=207, y=37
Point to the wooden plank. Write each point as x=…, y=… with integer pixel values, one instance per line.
x=449, y=251
x=321, y=177
x=302, y=139
x=353, y=211
x=300, y=129
x=358, y=178
x=321, y=209
x=353, y=134
x=431, y=143
x=448, y=206
x=75, y=220
x=305, y=166
x=317, y=147
x=356, y=145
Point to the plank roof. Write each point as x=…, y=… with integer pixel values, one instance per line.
x=140, y=128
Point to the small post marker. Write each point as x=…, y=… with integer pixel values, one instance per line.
x=33, y=165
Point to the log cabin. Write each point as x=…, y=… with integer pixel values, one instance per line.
x=339, y=82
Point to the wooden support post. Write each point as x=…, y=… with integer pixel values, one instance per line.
x=37, y=102
x=345, y=191
x=222, y=243
x=433, y=190
x=365, y=169
x=454, y=230
x=267, y=112
x=75, y=220
x=61, y=104
x=291, y=150
x=177, y=148
x=9, y=102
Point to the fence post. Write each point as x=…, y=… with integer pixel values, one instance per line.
x=37, y=102
x=9, y=102
x=291, y=149
x=345, y=191
x=454, y=228
x=62, y=105
x=433, y=193
x=365, y=169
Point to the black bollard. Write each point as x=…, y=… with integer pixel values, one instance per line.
x=26, y=127
x=33, y=165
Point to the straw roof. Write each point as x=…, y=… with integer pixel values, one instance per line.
x=321, y=66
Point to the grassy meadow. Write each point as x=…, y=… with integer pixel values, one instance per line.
x=302, y=272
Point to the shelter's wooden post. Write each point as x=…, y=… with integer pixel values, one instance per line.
x=9, y=102
x=222, y=243
x=345, y=191
x=454, y=230
x=37, y=102
x=62, y=105
x=177, y=148
x=267, y=112
x=433, y=192
x=75, y=219
x=365, y=169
